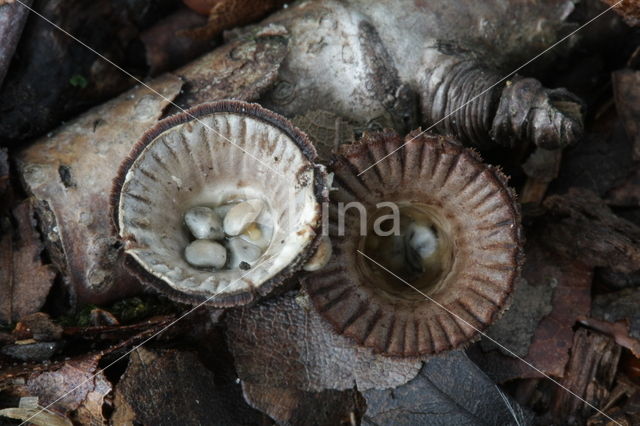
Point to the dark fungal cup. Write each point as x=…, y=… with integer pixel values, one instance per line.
x=459, y=242
x=218, y=155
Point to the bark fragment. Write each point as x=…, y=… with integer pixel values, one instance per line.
x=582, y=227
x=626, y=90
x=627, y=194
x=541, y=168
x=590, y=374
x=226, y=14
x=242, y=69
x=619, y=331
x=90, y=148
x=371, y=62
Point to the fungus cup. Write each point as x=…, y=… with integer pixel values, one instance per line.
x=458, y=241
x=226, y=161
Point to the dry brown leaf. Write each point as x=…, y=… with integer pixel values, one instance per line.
x=326, y=130
x=279, y=343
x=91, y=389
x=450, y=390
x=289, y=406
x=36, y=416
x=167, y=387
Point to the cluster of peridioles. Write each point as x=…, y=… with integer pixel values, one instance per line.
x=231, y=235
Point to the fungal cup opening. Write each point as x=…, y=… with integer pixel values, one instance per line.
x=185, y=182
x=415, y=245
x=458, y=241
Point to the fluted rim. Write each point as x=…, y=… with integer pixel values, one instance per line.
x=484, y=216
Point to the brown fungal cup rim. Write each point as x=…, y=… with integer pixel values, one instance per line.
x=253, y=111
x=354, y=310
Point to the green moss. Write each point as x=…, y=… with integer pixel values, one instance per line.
x=127, y=311
x=78, y=80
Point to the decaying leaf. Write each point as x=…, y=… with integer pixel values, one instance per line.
x=77, y=373
x=299, y=350
x=167, y=387
x=36, y=416
x=290, y=406
x=590, y=374
x=516, y=327
x=24, y=279
x=326, y=130
x=449, y=390
x=73, y=388
x=38, y=326
x=553, y=337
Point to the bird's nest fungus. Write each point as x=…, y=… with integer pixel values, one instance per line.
x=219, y=204
x=449, y=267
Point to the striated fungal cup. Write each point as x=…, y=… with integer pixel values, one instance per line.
x=219, y=204
x=457, y=239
